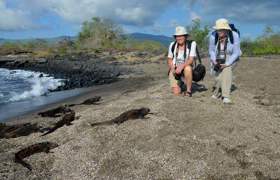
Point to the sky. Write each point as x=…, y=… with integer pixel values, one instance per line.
x=21, y=19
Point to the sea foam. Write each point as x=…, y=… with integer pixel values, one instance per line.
x=37, y=84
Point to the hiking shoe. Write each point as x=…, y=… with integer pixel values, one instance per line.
x=187, y=93
x=226, y=101
x=215, y=97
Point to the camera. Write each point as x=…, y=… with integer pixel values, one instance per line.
x=177, y=76
x=217, y=67
x=219, y=61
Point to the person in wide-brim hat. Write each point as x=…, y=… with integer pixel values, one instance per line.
x=224, y=52
x=180, y=61
x=180, y=31
x=222, y=24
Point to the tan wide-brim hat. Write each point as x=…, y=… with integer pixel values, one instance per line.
x=180, y=31
x=222, y=24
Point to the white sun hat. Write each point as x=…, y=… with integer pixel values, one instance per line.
x=222, y=24
x=180, y=31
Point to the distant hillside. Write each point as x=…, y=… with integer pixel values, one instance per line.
x=1, y=41
x=49, y=40
x=57, y=39
x=159, y=38
x=138, y=36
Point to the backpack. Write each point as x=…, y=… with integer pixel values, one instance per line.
x=199, y=70
x=233, y=28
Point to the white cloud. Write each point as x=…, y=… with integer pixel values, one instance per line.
x=13, y=19
x=125, y=12
x=249, y=11
x=135, y=15
x=129, y=12
x=25, y=13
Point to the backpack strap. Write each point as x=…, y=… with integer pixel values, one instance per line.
x=189, y=42
x=185, y=50
x=233, y=28
x=197, y=52
x=173, y=47
x=216, y=37
x=218, y=47
x=230, y=36
x=173, y=50
x=198, y=56
x=231, y=39
x=188, y=45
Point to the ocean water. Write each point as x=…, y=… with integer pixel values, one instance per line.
x=25, y=91
x=19, y=85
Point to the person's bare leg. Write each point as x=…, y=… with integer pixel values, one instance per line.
x=174, y=85
x=188, y=78
x=176, y=90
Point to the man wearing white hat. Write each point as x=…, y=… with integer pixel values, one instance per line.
x=180, y=61
x=224, y=50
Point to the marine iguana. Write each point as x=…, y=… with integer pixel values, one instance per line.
x=55, y=112
x=33, y=149
x=90, y=101
x=14, y=131
x=66, y=120
x=130, y=114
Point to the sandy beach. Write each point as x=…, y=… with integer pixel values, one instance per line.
x=184, y=138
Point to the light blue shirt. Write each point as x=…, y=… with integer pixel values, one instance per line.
x=233, y=50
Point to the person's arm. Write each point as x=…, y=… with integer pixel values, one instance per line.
x=189, y=61
x=170, y=64
x=212, y=49
x=236, y=50
x=192, y=54
x=170, y=58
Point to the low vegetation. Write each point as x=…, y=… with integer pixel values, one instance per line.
x=267, y=44
x=100, y=34
x=96, y=35
x=199, y=34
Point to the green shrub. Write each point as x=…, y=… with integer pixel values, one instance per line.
x=199, y=34
x=99, y=33
x=146, y=45
x=104, y=34
x=12, y=48
x=265, y=45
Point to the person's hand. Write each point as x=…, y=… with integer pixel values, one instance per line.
x=172, y=69
x=222, y=66
x=214, y=62
x=180, y=68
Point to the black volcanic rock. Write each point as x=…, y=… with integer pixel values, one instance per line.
x=78, y=70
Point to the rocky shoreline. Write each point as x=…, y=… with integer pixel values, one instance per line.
x=80, y=69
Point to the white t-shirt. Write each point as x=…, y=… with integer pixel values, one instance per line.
x=180, y=58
